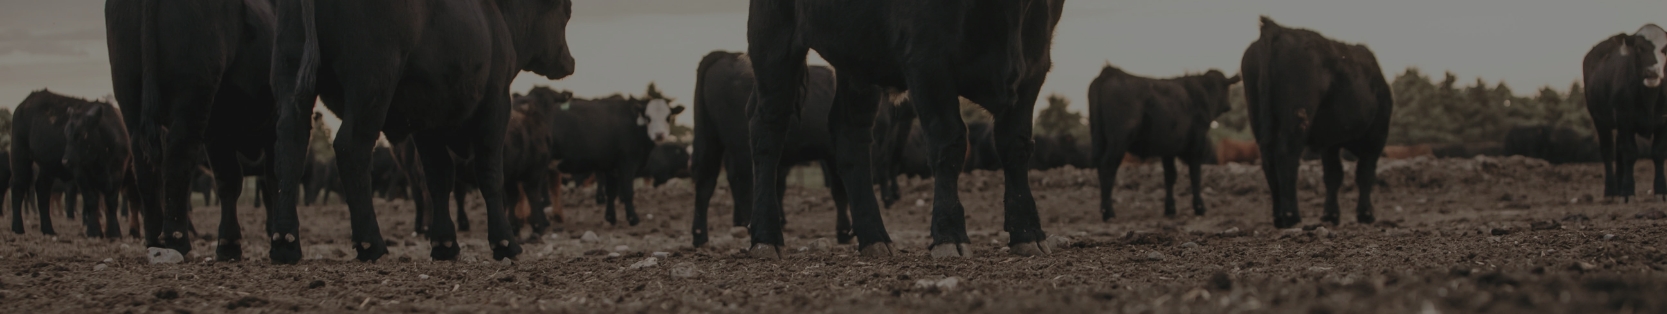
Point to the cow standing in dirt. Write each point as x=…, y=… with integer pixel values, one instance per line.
x=190, y=76
x=994, y=53
x=610, y=137
x=72, y=139
x=1305, y=90
x=1154, y=118
x=1623, y=77
x=527, y=157
x=435, y=71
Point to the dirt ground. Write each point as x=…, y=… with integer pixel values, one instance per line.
x=1505, y=235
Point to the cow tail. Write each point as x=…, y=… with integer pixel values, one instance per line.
x=150, y=93
x=1264, y=87
x=306, y=77
x=1095, y=124
x=700, y=78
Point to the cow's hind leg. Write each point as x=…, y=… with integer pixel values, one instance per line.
x=89, y=211
x=842, y=217
x=1606, y=148
x=43, y=202
x=439, y=171
x=1332, y=162
x=1195, y=173
x=1658, y=154
x=461, y=193
x=112, y=221
x=852, y=122
x=488, y=146
x=22, y=174
x=224, y=161
x=1111, y=160
x=1170, y=175
x=1627, y=154
x=1366, y=177
x=706, y=161
x=1015, y=144
x=621, y=189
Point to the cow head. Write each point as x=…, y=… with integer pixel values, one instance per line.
x=1655, y=60
x=84, y=135
x=1210, y=90
x=657, y=115
x=539, y=28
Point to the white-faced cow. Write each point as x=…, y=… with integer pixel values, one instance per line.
x=995, y=53
x=1154, y=118
x=610, y=137
x=1305, y=90
x=1624, y=95
x=437, y=71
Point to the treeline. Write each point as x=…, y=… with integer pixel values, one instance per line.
x=1446, y=112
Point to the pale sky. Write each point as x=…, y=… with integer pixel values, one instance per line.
x=621, y=45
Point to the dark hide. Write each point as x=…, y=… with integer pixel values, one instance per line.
x=527, y=156
x=62, y=138
x=1553, y=144
x=1305, y=90
x=994, y=53
x=666, y=161
x=1623, y=107
x=434, y=70
x=192, y=75
x=604, y=136
x=1168, y=119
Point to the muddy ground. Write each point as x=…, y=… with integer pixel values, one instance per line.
x=1506, y=235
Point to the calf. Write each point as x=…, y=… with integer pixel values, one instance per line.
x=438, y=72
x=69, y=139
x=1624, y=96
x=1154, y=118
x=723, y=92
x=611, y=137
x=1305, y=90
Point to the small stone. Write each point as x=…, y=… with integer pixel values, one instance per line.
x=100, y=267
x=1232, y=232
x=1398, y=208
x=1189, y=245
x=621, y=248
x=948, y=283
x=738, y=232
x=1155, y=256
x=920, y=203
x=804, y=249
x=662, y=254
x=553, y=236
x=649, y=262
x=422, y=277
x=109, y=260
x=1322, y=232
x=208, y=259
x=164, y=256
x=613, y=255
x=1059, y=242
x=684, y=270
x=1607, y=237
x=590, y=237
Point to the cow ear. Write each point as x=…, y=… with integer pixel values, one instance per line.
x=1235, y=79
x=677, y=110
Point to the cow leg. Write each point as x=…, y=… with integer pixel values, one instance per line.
x=368, y=103
x=940, y=119
x=1332, y=162
x=704, y=165
x=623, y=190
x=842, y=217
x=439, y=171
x=461, y=192
x=89, y=210
x=1627, y=143
x=518, y=218
x=535, y=187
x=1606, y=148
x=1169, y=177
x=112, y=221
x=1366, y=177
x=781, y=181
x=23, y=173
x=1658, y=154
x=225, y=164
x=851, y=122
x=488, y=144
x=739, y=166
x=1195, y=173
x=68, y=196
x=43, y=201
x=555, y=196
x=1015, y=143
x=779, y=66
x=605, y=182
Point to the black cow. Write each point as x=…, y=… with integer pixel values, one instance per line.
x=666, y=161
x=994, y=53
x=1305, y=90
x=723, y=92
x=610, y=137
x=1154, y=118
x=527, y=156
x=6, y=177
x=1624, y=95
x=192, y=76
x=55, y=137
x=445, y=84
x=1556, y=145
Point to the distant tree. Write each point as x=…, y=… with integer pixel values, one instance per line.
x=1055, y=119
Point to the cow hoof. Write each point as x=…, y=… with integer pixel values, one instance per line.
x=1030, y=249
x=1107, y=215
x=506, y=251
x=610, y=219
x=1365, y=219
x=370, y=252
x=882, y=249
x=948, y=250
x=228, y=251
x=444, y=252
x=764, y=251
x=1330, y=219
x=845, y=237
x=285, y=252
x=632, y=219
x=700, y=240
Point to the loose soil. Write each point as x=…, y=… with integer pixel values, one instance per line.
x=1505, y=235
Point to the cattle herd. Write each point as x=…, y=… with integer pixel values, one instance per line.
x=213, y=91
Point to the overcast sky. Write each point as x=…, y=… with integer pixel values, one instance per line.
x=621, y=45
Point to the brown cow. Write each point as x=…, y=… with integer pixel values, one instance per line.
x=1407, y=151
x=1230, y=150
